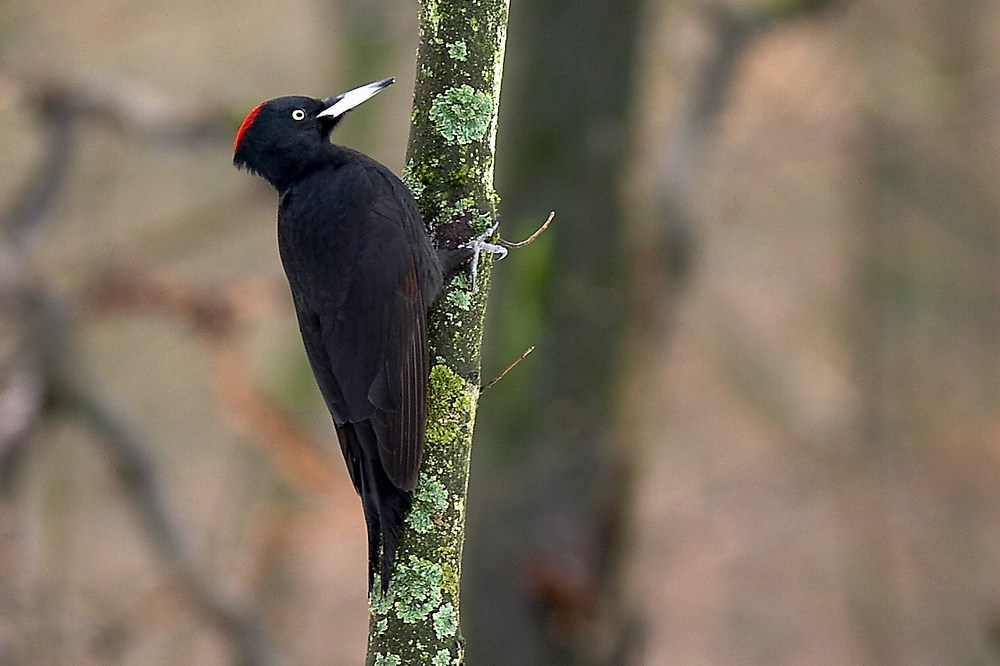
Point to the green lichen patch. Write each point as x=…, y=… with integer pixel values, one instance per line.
x=417, y=587
x=419, y=174
x=412, y=182
x=380, y=604
x=430, y=18
x=462, y=115
x=464, y=209
x=446, y=621
x=456, y=211
x=458, y=178
x=431, y=500
x=452, y=398
x=460, y=299
x=458, y=50
x=450, y=583
x=450, y=171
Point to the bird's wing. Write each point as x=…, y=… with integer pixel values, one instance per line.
x=365, y=330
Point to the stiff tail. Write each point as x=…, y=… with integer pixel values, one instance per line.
x=384, y=504
x=385, y=508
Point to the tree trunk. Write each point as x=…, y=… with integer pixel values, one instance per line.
x=449, y=168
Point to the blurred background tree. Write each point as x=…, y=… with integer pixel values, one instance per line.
x=761, y=421
x=546, y=471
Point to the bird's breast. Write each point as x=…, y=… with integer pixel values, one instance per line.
x=319, y=249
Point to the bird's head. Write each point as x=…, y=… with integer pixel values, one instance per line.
x=281, y=138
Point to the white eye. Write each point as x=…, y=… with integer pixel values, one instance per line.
x=298, y=114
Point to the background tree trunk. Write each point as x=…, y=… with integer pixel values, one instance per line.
x=450, y=170
x=548, y=467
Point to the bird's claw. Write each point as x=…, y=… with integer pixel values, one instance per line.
x=480, y=244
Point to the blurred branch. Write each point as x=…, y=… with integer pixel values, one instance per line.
x=52, y=377
x=662, y=253
x=298, y=456
x=125, y=441
x=133, y=108
x=215, y=314
x=127, y=106
x=39, y=194
x=22, y=393
x=734, y=32
x=50, y=337
x=21, y=405
x=668, y=253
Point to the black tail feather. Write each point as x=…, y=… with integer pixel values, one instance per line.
x=384, y=504
x=370, y=505
x=393, y=505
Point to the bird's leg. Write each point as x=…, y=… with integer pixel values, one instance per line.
x=481, y=244
x=453, y=258
x=453, y=261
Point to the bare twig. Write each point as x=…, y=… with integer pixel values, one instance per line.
x=530, y=239
x=509, y=367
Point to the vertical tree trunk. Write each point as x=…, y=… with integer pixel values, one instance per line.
x=449, y=168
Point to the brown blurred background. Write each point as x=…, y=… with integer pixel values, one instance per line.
x=762, y=421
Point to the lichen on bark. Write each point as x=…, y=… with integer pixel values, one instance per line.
x=462, y=115
x=449, y=169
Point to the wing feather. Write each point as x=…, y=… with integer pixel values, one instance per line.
x=364, y=326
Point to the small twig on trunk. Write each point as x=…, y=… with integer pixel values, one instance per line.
x=508, y=368
x=530, y=239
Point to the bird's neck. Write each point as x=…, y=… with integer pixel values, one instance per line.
x=286, y=168
x=327, y=156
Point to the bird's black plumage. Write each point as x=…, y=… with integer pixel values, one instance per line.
x=362, y=272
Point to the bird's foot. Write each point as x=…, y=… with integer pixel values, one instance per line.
x=480, y=244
